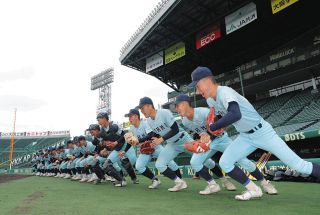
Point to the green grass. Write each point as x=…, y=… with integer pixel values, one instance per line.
x=60, y=196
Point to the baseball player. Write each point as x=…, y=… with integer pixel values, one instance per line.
x=88, y=151
x=254, y=131
x=70, y=157
x=141, y=130
x=100, y=155
x=115, y=136
x=195, y=120
x=163, y=124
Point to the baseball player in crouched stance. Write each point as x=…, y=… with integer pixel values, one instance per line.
x=163, y=124
x=254, y=131
x=140, y=132
x=195, y=120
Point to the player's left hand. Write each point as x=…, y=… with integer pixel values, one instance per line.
x=121, y=154
x=156, y=141
x=204, y=137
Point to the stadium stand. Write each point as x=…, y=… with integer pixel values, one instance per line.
x=290, y=112
x=27, y=145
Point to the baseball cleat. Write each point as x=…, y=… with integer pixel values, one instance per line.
x=269, y=188
x=74, y=177
x=179, y=186
x=62, y=175
x=155, y=184
x=228, y=185
x=135, y=181
x=247, y=195
x=97, y=181
x=108, y=178
x=84, y=178
x=121, y=184
x=77, y=178
x=210, y=188
x=92, y=178
x=57, y=176
x=67, y=176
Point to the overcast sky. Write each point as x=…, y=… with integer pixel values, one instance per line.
x=50, y=49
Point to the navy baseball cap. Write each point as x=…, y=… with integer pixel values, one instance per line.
x=81, y=138
x=103, y=115
x=198, y=74
x=69, y=142
x=144, y=101
x=94, y=127
x=132, y=112
x=182, y=98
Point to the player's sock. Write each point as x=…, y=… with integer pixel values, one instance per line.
x=78, y=170
x=121, y=173
x=217, y=171
x=74, y=171
x=81, y=170
x=131, y=172
x=149, y=174
x=204, y=173
x=86, y=171
x=238, y=175
x=170, y=174
x=315, y=170
x=178, y=173
x=98, y=171
x=257, y=174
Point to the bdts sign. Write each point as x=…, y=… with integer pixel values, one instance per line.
x=294, y=136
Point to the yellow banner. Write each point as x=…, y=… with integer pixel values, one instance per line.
x=278, y=5
x=174, y=52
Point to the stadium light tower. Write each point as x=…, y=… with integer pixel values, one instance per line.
x=102, y=82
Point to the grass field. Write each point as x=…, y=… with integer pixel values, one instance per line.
x=43, y=195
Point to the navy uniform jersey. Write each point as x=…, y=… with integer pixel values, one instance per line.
x=112, y=133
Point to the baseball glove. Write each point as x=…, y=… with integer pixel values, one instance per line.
x=71, y=157
x=146, y=148
x=197, y=146
x=211, y=118
x=130, y=138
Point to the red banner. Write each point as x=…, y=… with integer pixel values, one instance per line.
x=207, y=36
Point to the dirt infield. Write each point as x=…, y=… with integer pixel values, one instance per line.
x=11, y=177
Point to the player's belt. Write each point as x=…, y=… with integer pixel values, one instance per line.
x=181, y=136
x=256, y=128
x=213, y=137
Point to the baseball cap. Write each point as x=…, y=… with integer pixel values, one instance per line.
x=103, y=115
x=75, y=139
x=182, y=98
x=132, y=112
x=81, y=138
x=69, y=142
x=94, y=127
x=144, y=101
x=198, y=74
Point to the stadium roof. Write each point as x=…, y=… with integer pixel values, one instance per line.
x=175, y=21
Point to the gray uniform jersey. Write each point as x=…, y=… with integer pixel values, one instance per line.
x=198, y=123
x=142, y=130
x=162, y=124
x=249, y=116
